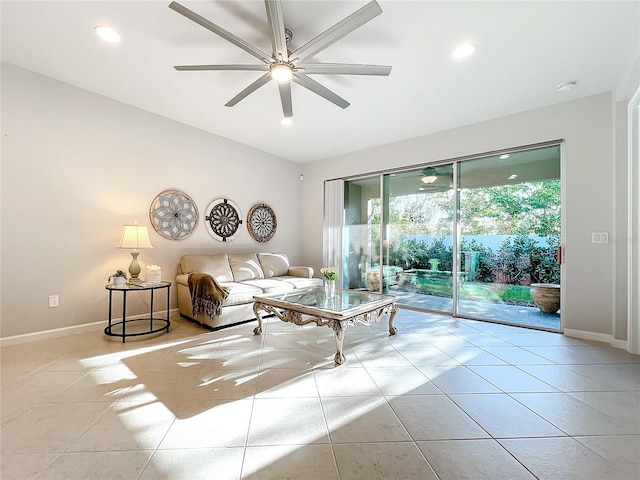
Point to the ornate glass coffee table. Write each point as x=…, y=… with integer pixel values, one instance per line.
x=312, y=305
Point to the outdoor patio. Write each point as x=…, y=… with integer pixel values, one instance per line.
x=513, y=314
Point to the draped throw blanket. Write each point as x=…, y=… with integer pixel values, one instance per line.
x=207, y=294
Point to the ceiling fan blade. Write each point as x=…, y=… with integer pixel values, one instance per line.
x=318, y=89
x=285, y=97
x=228, y=36
x=249, y=90
x=191, y=68
x=338, y=31
x=344, y=69
x=276, y=26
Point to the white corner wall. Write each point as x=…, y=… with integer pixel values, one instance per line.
x=621, y=237
x=586, y=125
x=76, y=166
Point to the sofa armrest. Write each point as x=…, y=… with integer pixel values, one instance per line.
x=304, y=272
x=182, y=279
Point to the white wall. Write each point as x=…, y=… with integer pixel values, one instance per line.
x=586, y=125
x=77, y=166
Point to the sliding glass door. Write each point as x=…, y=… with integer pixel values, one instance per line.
x=509, y=217
x=398, y=236
x=477, y=238
x=361, y=234
x=418, y=247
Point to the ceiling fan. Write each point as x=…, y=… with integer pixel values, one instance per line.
x=285, y=66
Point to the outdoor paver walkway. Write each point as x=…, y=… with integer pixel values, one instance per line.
x=512, y=314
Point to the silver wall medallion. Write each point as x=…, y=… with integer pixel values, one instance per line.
x=223, y=219
x=261, y=222
x=174, y=215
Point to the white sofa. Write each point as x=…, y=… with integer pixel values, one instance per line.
x=245, y=275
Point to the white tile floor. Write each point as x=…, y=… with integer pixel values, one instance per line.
x=443, y=399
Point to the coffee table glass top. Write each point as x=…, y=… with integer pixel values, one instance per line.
x=342, y=302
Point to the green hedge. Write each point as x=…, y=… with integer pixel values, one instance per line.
x=520, y=260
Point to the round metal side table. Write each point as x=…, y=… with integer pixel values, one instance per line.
x=155, y=324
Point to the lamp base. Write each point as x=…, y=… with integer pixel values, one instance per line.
x=134, y=269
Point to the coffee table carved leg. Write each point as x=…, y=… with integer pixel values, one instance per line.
x=392, y=330
x=258, y=329
x=339, y=358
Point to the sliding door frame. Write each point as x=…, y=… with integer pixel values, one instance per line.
x=455, y=162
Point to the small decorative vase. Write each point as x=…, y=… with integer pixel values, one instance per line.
x=119, y=281
x=330, y=288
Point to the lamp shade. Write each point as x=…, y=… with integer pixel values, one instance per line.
x=135, y=237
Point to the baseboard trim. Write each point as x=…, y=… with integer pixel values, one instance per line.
x=73, y=330
x=621, y=344
x=596, y=337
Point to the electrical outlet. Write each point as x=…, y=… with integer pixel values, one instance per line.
x=54, y=301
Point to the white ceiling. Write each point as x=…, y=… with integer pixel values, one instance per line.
x=525, y=49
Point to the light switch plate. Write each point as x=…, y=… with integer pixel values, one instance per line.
x=54, y=301
x=599, y=237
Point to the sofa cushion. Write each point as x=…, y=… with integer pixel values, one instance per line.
x=269, y=285
x=240, y=293
x=215, y=265
x=245, y=267
x=274, y=264
x=301, y=282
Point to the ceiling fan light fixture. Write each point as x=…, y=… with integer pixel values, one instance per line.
x=281, y=72
x=287, y=121
x=428, y=179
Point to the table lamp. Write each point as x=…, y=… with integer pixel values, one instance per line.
x=135, y=237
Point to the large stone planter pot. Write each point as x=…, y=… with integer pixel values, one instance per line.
x=546, y=296
x=373, y=281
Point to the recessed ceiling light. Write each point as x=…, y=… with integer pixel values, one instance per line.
x=463, y=51
x=286, y=121
x=505, y=156
x=566, y=86
x=513, y=177
x=107, y=34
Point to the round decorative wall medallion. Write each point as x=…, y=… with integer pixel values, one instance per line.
x=223, y=219
x=174, y=215
x=261, y=222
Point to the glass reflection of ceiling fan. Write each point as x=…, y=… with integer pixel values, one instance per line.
x=430, y=175
x=285, y=66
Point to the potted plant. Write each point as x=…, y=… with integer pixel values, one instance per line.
x=119, y=278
